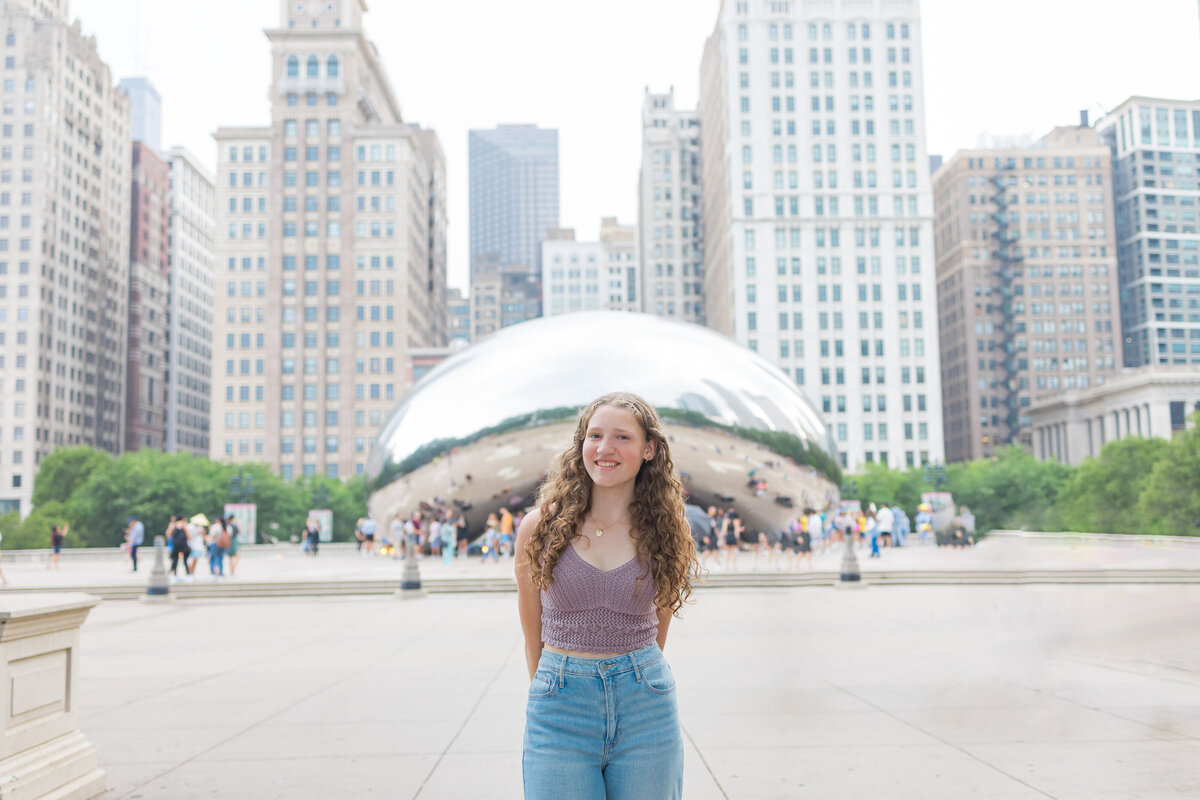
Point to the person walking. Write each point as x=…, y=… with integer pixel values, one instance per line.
x=218, y=543
x=235, y=543
x=135, y=535
x=57, y=535
x=603, y=564
x=196, y=543
x=178, y=538
x=449, y=537
x=885, y=521
x=312, y=535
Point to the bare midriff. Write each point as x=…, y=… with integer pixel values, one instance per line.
x=578, y=653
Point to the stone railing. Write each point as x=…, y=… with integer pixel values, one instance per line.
x=42, y=753
x=1107, y=539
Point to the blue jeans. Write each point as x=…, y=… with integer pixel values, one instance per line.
x=216, y=560
x=603, y=729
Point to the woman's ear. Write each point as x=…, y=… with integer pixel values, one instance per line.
x=651, y=451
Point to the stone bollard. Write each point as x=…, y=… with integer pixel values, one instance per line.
x=42, y=752
x=158, y=590
x=410, y=577
x=851, y=577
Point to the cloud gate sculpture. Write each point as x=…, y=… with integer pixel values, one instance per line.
x=480, y=430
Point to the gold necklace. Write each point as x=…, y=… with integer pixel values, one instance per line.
x=599, y=529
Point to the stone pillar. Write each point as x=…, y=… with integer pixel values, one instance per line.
x=158, y=590
x=42, y=753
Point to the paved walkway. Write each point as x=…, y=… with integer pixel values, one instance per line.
x=287, y=564
x=897, y=692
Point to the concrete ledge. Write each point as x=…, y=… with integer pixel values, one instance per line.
x=42, y=753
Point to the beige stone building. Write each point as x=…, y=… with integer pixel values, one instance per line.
x=1026, y=283
x=330, y=253
x=64, y=245
x=1147, y=401
x=670, y=240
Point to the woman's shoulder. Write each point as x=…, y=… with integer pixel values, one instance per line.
x=531, y=520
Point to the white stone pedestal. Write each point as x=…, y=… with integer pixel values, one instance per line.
x=42, y=755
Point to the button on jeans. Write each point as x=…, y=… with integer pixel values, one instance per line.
x=603, y=729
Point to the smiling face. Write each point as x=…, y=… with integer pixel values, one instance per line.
x=614, y=446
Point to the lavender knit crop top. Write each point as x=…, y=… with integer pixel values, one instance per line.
x=593, y=611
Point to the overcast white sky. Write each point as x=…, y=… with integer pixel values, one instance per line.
x=1018, y=66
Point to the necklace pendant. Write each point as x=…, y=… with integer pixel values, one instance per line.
x=599, y=532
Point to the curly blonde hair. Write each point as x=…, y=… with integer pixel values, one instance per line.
x=659, y=527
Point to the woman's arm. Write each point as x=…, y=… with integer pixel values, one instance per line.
x=664, y=622
x=529, y=599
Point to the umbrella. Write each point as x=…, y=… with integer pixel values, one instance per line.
x=199, y=519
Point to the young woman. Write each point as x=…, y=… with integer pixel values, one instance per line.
x=57, y=535
x=602, y=565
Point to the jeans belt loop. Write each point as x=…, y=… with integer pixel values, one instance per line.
x=562, y=666
x=637, y=668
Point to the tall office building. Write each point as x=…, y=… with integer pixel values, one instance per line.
x=64, y=246
x=146, y=352
x=329, y=253
x=145, y=111
x=189, y=305
x=818, y=216
x=458, y=316
x=1155, y=146
x=1027, y=283
x=502, y=294
x=670, y=238
x=514, y=192
x=591, y=276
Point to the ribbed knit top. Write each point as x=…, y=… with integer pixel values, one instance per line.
x=592, y=611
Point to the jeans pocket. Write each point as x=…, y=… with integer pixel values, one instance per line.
x=543, y=684
x=658, y=677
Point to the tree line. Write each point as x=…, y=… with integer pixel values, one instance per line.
x=1135, y=485
x=97, y=494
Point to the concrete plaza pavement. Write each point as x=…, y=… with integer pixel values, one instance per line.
x=890, y=692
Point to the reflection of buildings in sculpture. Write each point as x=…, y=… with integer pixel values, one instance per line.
x=484, y=413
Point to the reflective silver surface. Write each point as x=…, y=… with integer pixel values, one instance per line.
x=482, y=427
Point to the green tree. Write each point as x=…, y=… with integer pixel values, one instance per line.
x=149, y=484
x=66, y=469
x=1011, y=490
x=34, y=532
x=1170, y=497
x=1101, y=495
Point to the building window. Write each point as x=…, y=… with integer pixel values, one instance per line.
x=293, y=67
x=331, y=67
x=313, y=67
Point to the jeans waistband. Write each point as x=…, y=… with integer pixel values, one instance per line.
x=613, y=665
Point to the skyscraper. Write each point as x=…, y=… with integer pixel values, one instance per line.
x=330, y=253
x=146, y=353
x=1155, y=146
x=670, y=239
x=818, y=215
x=190, y=305
x=64, y=257
x=1027, y=283
x=514, y=192
x=145, y=111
